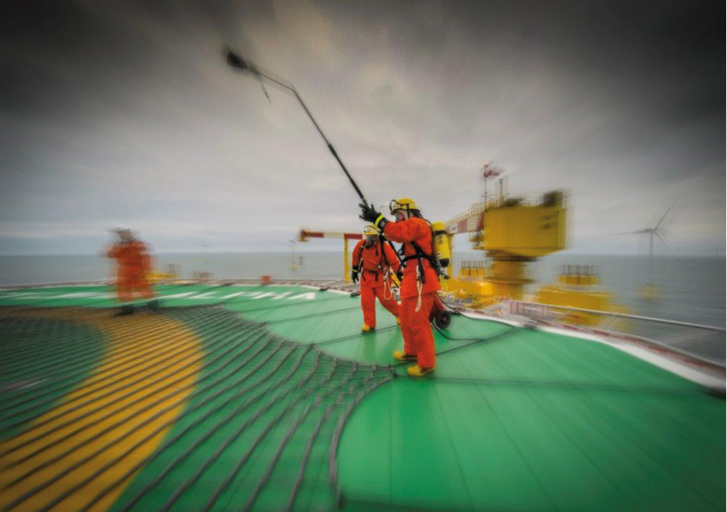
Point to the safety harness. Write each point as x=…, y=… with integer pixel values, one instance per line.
x=420, y=255
x=387, y=268
x=360, y=268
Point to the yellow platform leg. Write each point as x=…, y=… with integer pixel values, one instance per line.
x=346, y=264
x=508, y=278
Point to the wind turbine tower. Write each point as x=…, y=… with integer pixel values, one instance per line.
x=649, y=289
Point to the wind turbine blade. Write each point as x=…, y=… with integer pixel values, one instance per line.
x=666, y=212
x=663, y=241
x=640, y=232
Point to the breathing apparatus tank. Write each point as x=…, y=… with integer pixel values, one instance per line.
x=441, y=244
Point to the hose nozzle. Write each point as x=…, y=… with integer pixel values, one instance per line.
x=235, y=61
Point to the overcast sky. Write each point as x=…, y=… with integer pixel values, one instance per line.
x=125, y=114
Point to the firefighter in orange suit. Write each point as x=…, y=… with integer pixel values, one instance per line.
x=375, y=262
x=420, y=283
x=134, y=264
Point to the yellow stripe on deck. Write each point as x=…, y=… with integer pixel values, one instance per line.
x=149, y=358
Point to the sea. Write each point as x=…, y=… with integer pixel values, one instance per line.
x=692, y=288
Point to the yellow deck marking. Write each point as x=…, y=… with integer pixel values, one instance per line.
x=128, y=337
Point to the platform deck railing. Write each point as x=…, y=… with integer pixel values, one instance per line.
x=703, y=343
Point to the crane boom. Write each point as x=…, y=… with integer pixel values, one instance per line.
x=304, y=235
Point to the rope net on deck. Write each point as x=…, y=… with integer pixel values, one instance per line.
x=195, y=408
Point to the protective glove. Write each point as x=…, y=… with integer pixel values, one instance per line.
x=354, y=276
x=370, y=214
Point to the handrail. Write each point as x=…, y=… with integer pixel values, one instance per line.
x=702, y=359
x=690, y=342
x=620, y=315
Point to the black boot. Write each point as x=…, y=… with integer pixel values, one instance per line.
x=125, y=310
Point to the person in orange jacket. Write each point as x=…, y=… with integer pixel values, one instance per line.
x=420, y=282
x=134, y=264
x=375, y=261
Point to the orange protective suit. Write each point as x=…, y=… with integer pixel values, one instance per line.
x=415, y=326
x=134, y=263
x=375, y=261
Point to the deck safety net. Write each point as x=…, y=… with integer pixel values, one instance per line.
x=192, y=409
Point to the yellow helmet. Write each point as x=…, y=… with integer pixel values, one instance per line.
x=370, y=230
x=403, y=203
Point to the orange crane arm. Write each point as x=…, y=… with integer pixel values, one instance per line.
x=304, y=235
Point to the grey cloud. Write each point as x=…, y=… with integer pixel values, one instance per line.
x=126, y=112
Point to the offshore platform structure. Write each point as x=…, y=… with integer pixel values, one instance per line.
x=513, y=232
